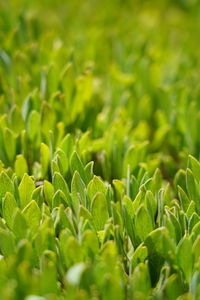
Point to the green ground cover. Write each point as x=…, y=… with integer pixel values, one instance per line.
x=99, y=150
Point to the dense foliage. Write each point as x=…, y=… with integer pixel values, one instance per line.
x=99, y=149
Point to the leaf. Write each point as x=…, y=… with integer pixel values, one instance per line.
x=62, y=161
x=33, y=125
x=184, y=257
x=59, y=183
x=77, y=165
x=6, y=185
x=90, y=243
x=139, y=255
x=78, y=190
x=48, y=192
x=151, y=204
x=45, y=159
x=195, y=166
x=174, y=287
x=48, y=118
x=58, y=198
x=26, y=189
x=74, y=273
x=73, y=252
x=191, y=186
x=17, y=123
x=140, y=282
x=9, y=206
x=191, y=209
x=7, y=244
x=96, y=185
x=143, y=223
x=99, y=211
x=32, y=216
x=67, y=145
x=21, y=166
x=183, y=198
x=89, y=171
x=84, y=213
x=196, y=249
x=128, y=204
x=19, y=225
x=10, y=144
x=160, y=248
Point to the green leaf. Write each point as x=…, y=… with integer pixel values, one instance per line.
x=59, y=183
x=19, y=226
x=6, y=185
x=139, y=255
x=183, y=198
x=174, y=287
x=9, y=206
x=99, y=211
x=84, y=213
x=128, y=204
x=96, y=185
x=195, y=166
x=21, y=166
x=48, y=192
x=48, y=118
x=32, y=216
x=140, y=282
x=73, y=252
x=78, y=190
x=62, y=161
x=191, y=209
x=196, y=249
x=7, y=244
x=160, y=248
x=10, y=144
x=184, y=257
x=90, y=243
x=77, y=165
x=89, y=171
x=45, y=159
x=33, y=125
x=143, y=223
x=17, y=123
x=191, y=186
x=67, y=145
x=26, y=189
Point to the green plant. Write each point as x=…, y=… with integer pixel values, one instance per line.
x=99, y=150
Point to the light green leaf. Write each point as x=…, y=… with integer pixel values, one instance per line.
x=6, y=185
x=77, y=165
x=9, y=206
x=78, y=190
x=184, y=257
x=26, y=189
x=10, y=144
x=143, y=223
x=19, y=225
x=45, y=158
x=99, y=211
x=195, y=166
x=96, y=185
x=32, y=215
x=21, y=166
x=7, y=244
x=59, y=183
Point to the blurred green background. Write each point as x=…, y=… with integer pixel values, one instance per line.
x=117, y=83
